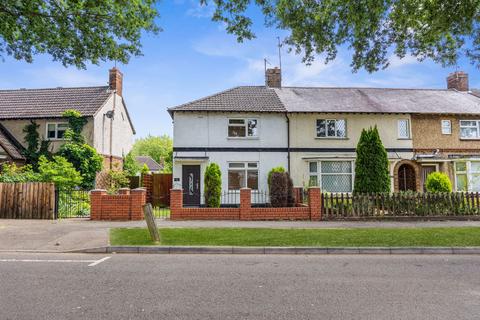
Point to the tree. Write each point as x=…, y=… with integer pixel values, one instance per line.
x=75, y=32
x=279, y=169
x=160, y=148
x=59, y=171
x=374, y=30
x=371, y=166
x=213, y=185
x=130, y=165
x=438, y=182
x=279, y=189
x=35, y=148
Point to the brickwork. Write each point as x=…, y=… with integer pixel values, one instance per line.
x=416, y=168
x=458, y=80
x=245, y=210
x=147, y=184
x=126, y=205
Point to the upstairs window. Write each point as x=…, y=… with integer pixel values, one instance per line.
x=331, y=128
x=56, y=131
x=242, y=128
x=469, y=129
x=404, y=129
x=446, y=127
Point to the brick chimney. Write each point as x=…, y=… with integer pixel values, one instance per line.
x=273, y=78
x=458, y=80
x=115, y=80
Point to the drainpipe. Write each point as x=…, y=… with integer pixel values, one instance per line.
x=111, y=129
x=288, y=142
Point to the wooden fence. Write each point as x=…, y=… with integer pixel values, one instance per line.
x=398, y=205
x=161, y=185
x=32, y=200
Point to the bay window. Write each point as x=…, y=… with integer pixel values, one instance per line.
x=242, y=128
x=331, y=128
x=242, y=175
x=332, y=176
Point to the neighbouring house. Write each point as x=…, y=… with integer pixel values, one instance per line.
x=152, y=165
x=313, y=133
x=109, y=128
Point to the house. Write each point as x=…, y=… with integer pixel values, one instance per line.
x=313, y=133
x=152, y=165
x=109, y=128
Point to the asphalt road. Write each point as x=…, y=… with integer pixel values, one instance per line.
x=238, y=287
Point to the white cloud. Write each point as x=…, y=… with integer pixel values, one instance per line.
x=396, y=62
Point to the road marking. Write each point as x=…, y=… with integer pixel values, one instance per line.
x=98, y=261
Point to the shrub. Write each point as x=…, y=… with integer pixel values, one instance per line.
x=130, y=165
x=85, y=159
x=116, y=179
x=290, y=194
x=12, y=173
x=371, y=166
x=35, y=147
x=59, y=171
x=279, y=189
x=279, y=169
x=438, y=182
x=213, y=185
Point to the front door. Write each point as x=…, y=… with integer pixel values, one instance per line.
x=191, y=185
x=426, y=170
x=406, y=178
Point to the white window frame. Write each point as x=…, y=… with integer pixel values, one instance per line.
x=56, y=124
x=408, y=129
x=477, y=125
x=446, y=126
x=245, y=125
x=319, y=172
x=245, y=169
x=336, y=136
x=469, y=173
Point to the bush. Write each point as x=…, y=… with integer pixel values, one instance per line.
x=438, y=182
x=279, y=169
x=279, y=189
x=85, y=159
x=116, y=179
x=12, y=173
x=59, y=171
x=130, y=165
x=213, y=185
x=290, y=194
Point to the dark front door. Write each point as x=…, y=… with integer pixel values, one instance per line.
x=406, y=178
x=191, y=185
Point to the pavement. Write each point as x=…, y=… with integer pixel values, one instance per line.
x=69, y=286
x=76, y=234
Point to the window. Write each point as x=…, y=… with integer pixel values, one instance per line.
x=242, y=128
x=331, y=128
x=332, y=176
x=469, y=129
x=467, y=176
x=242, y=174
x=403, y=129
x=56, y=130
x=446, y=127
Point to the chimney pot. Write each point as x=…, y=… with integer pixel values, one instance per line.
x=116, y=80
x=458, y=80
x=273, y=78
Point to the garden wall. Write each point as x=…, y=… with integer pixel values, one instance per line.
x=126, y=205
x=246, y=212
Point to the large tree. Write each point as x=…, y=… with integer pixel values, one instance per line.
x=160, y=148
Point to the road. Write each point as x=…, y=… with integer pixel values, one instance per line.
x=74, y=286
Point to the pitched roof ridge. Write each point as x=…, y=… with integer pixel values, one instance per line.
x=203, y=98
x=375, y=88
x=54, y=88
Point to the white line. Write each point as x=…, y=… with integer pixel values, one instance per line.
x=49, y=260
x=98, y=261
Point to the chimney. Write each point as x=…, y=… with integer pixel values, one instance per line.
x=273, y=78
x=458, y=80
x=115, y=80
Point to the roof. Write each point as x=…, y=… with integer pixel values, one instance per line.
x=326, y=99
x=151, y=164
x=51, y=103
x=11, y=146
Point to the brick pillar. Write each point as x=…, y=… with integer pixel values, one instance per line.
x=147, y=183
x=176, y=203
x=96, y=203
x=137, y=201
x=245, y=203
x=315, y=203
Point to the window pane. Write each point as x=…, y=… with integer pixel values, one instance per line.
x=465, y=123
x=313, y=181
x=446, y=127
x=468, y=132
x=51, y=131
x=475, y=182
x=341, y=129
x=252, y=179
x=403, y=130
x=61, y=127
x=337, y=183
x=252, y=128
x=336, y=166
x=330, y=128
x=252, y=165
x=236, y=165
x=321, y=128
x=460, y=166
x=235, y=131
x=236, y=179
x=236, y=121
x=475, y=166
x=461, y=182
x=313, y=167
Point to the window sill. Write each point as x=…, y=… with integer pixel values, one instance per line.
x=330, y=138
x=243, y=138
x=404, y=138
x=55, y=139
x=470, y=139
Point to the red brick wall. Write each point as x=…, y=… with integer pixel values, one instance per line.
x=245, y=211
x=126, y=205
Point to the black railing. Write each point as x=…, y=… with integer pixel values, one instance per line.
x=229, y=199
x=72, y=203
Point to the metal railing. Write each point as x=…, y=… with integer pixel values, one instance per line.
x=72, y=203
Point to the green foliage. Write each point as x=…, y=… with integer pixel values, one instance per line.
x=75, y=32
x=59, y=171
x=76, y=122
x=12, y=173
x=278, y=189
x=213, y=185
x=279, y=169
x=117, y=179
x=33, y=151
x=130, y=165
x=85, y=159
x=371, y=166
x=145, y=169
x=439, y=30
x=438, y=182
x=160, y=148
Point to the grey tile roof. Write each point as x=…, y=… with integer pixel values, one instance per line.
x=151, y=164
x=10, y=144
x=322, y=99
x=45, y=103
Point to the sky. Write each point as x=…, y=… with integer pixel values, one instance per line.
x=194, y=57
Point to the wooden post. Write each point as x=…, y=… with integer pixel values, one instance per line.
x=151, y=224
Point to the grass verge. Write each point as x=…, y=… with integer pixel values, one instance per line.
x=368, y=237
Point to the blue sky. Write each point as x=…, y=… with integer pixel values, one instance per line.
x=195, y=57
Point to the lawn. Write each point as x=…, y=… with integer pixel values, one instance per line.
x=368, y=237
